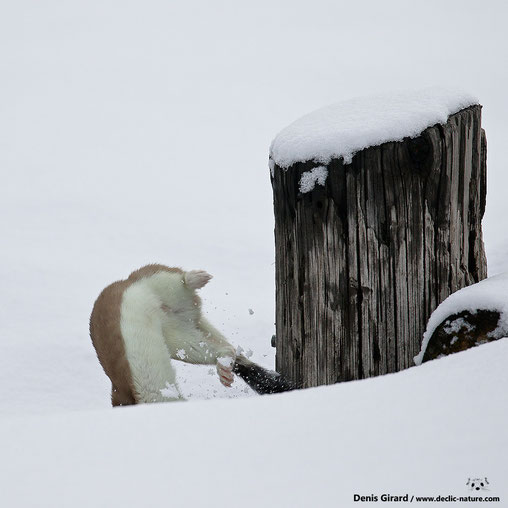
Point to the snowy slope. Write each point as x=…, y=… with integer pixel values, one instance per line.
x=139, y=132
x=424, y=431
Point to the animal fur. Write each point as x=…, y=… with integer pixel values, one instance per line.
x=139, y=324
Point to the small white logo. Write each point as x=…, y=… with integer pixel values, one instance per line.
x=477, y=483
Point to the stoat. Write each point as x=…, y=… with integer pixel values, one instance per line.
x=139, y=324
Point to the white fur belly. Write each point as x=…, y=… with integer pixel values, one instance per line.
x=148, y=356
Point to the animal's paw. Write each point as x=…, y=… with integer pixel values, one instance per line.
x=225, y=370
x=196, y=279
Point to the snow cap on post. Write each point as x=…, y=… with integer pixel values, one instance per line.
x=340, y=130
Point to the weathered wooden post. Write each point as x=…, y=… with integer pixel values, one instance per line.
x=378, y=207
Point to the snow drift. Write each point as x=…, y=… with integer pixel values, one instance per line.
x=422, y=431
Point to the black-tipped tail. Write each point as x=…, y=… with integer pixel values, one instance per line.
x=261, y=380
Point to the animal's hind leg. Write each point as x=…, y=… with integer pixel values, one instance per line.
x=121, y=398
x=152, y=373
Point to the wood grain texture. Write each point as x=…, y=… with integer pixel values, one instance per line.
x=362, y=261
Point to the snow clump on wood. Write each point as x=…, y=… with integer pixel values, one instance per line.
x=342, y=129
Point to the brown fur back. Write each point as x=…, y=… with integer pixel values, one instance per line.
x=149, y=270
x=108, y=342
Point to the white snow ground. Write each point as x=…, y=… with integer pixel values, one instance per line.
x=424, y=432
x=139, y=132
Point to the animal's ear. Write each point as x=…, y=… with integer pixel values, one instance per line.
x=468, y=481
x=486, y=481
